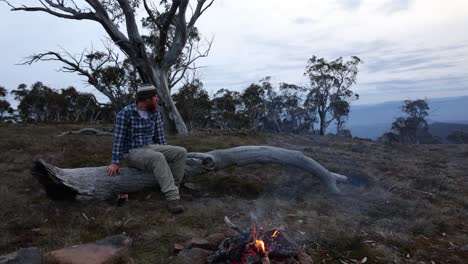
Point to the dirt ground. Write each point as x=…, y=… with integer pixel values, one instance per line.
x=402, y=204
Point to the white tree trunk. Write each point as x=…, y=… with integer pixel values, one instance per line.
x=93, y=182
x=172, y=117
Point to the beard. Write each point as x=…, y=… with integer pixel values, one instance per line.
x=152, y=106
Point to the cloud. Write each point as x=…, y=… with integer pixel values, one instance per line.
x=427, y=66
x=350, y=4
x=414, y=61
x=304, y=20
x=394, y=63
x=394, y=6
x=421, y=47
x=418, y=84
x=402, y=89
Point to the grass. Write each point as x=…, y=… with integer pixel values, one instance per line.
x=403, y=204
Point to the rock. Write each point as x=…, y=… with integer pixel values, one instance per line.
x=193, y=256
x=107, y=250
x=464, y=248
x=22, y=256
x=178, y=247
x=193, y=186
x=199, y=243
x=216, y=239
x=230, y=233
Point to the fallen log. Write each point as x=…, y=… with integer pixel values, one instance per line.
x=93, y=182
x=87, y=131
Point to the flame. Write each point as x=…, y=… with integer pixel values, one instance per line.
x=260, y=245
x=275, y=234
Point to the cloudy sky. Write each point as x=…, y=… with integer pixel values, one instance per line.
x=411, y=48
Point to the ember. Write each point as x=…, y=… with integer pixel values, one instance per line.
x=275, y=234
x=256, y=247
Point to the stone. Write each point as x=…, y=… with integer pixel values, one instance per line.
x=22, y=256
x=199, y=243
x=230, y=233
x=107, y=250
x=193, y=256
x=178, y=247
x=193, y=186
x=216, y=239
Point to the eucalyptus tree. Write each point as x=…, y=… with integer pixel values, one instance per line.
x=330, y=84
x=194, y=104
x=4, y=104
x=167, y=48
x=413, y=128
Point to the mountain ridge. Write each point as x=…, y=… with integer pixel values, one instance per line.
x=372, y=120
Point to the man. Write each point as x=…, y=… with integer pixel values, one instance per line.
x=139, y=137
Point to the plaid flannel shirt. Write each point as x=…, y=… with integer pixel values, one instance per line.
x=133, y=131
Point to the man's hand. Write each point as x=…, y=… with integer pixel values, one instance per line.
x=113, y=169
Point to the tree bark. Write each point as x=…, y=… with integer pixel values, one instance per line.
x=171, y=116
x=93, y=182
x=323, y=116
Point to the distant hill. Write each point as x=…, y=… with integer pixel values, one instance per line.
x=442, y=130
x=371, y=121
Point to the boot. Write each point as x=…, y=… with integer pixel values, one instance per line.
x=175, y=207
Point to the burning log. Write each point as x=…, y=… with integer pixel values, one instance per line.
x=257, y=247
x=93, y=182
x=265, y=260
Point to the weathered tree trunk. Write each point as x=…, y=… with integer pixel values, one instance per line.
x=274, y=119
x=93, y=182
x=323, y=121
x=171, y=116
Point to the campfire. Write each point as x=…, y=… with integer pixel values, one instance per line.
x=257, y=246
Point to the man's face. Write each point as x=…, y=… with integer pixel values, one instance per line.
x=152, y=104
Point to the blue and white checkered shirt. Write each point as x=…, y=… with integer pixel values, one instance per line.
x=133, y=131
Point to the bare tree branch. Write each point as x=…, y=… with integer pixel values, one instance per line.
x=111, y=28
x=132, y=28
x=73, y=64
x=10, y=5
x=61, y=6
x=164, y=28
x=100, y=15
x=180, y=36
x=181, y=69
x=69, y=13
x=183, y=29
x=199, y=10
x=204, y=9
x=150, y=13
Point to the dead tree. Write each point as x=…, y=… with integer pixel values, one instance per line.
x=93, y=182
x=103, y=70
x=172, y=29
x=87, y=131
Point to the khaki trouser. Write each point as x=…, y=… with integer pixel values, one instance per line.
x=167, y=163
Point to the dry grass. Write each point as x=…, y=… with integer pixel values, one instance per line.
x=406, y=204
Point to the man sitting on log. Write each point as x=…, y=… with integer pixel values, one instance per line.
x=139, y=137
